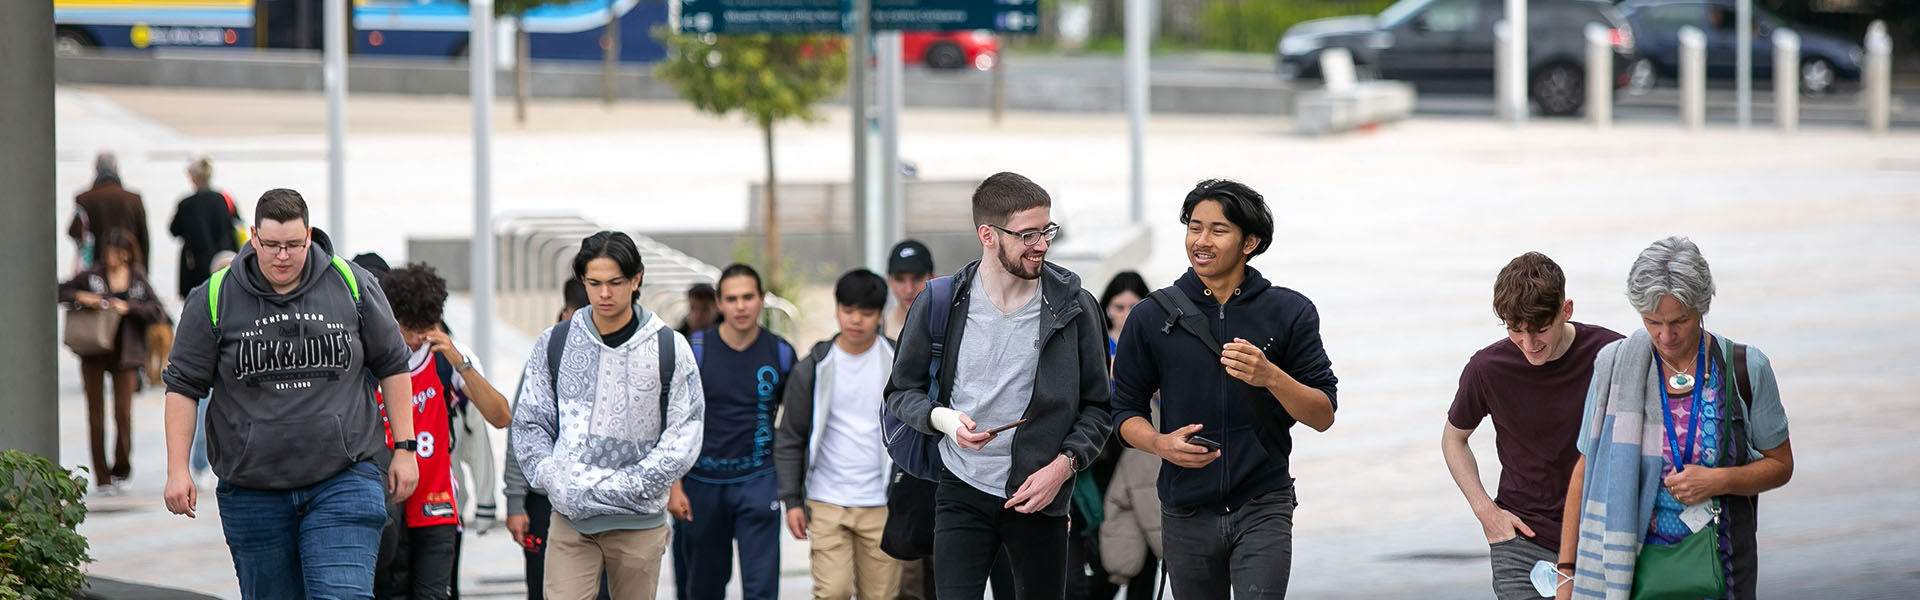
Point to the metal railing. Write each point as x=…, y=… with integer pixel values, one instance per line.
x=536, y=257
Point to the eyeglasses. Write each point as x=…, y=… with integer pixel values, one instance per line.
x=1032, y=238
x=279, y=248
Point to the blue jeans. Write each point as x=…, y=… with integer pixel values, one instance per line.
x=747, y=512
x=319, y=541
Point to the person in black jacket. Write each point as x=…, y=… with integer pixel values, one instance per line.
x=1237, y=362
x=1013, y=316
x=204, y=222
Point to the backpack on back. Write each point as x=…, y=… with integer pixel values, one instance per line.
x=557, y=346
x=919, y=453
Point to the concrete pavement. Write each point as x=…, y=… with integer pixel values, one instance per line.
x=1395, y=235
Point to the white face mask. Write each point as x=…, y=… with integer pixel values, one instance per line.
x=1547, y=578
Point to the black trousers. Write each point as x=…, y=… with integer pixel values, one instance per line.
x=970, y=528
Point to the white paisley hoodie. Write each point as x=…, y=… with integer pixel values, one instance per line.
x=600, y=452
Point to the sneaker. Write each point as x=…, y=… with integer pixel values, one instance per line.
x=106, y=490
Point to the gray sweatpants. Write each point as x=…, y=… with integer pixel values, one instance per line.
x=1513, y=562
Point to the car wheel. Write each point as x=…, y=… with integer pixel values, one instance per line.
x=946, y=55
x=1817, y=76
x=67, y=42
x=1642, y=77
x=1559, y=89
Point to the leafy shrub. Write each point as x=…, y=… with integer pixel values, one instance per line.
x=41, y=507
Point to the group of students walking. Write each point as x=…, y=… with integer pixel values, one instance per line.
x=1007, y=428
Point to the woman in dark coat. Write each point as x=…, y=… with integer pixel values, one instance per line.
x=115, y=282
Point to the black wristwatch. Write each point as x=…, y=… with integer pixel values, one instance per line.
x=407, y=445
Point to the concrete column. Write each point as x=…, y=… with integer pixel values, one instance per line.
x=28, y=359
x=1786, y=79
x=1693, y=78
x=1516, y=62
x=1599, y=75
x=866, y=239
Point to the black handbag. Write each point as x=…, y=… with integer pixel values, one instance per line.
x=908, y=534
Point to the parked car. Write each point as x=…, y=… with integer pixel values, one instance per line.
x=951, y=49
x=1825, y=59
x=1447, y=45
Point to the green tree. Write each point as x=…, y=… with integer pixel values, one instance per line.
x=768, y=78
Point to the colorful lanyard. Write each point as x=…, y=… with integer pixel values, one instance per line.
x=1693, y=416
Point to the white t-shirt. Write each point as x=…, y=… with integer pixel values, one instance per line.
x=850, y=467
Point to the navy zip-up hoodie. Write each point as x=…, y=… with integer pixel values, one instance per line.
x=1195, y=388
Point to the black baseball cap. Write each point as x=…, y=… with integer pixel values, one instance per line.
x=909, y=256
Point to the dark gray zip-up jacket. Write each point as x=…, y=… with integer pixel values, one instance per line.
x=291, y=403
x=1070, y=390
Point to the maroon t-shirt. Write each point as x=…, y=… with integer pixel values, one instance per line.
x=1536, y=416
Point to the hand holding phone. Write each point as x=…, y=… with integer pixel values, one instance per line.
x=1005, y=427
x=1202, y=442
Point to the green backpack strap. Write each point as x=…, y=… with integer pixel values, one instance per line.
x=220, y=276
x=213, y=298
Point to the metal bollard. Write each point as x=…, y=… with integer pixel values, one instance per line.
x=1786, y=79
x=1599, y=75
x=1693, y=78
x=1879, y=77
x=1502, y=45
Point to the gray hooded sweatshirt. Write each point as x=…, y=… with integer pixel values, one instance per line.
x=291, y=401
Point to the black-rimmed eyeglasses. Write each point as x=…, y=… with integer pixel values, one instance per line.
x=1032, y=238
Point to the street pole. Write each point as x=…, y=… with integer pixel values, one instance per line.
x=1786, y=80
x=1743, y=62
x=480, y=263
x=1516, y=66
x=892, y=199
x=1138, y=103
x=333, y=74
x=865, y=238
x=29, y=361
x=1693, y=78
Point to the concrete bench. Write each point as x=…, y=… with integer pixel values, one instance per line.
x=1346, y=103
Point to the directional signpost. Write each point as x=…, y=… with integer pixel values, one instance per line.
x=820, y=16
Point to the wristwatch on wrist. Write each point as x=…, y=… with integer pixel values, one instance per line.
x=407, y=445
x=1073, y=463
x=465, y=365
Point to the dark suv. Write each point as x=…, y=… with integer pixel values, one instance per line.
x=1447, y=45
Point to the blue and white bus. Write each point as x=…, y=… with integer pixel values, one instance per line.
x=564, y=29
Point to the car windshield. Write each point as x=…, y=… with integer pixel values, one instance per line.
x=1400, y=11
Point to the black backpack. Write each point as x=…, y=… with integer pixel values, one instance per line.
x=557, y=345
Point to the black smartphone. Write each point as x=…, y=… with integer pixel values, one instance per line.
x=1203, y=442
x=1008, y=426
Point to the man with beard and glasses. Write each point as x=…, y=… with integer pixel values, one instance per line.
x=1237, y=361
x=1013, y=316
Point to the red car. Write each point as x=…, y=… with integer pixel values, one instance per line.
x=951, y=49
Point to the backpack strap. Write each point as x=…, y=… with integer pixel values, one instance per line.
x=556, y=346
x=444, y=370
x=699, y=343
x=219, y=277
x=786, y=358
x=666, y=374
x=1182, y=312
x=940, y=307
x=213, y=298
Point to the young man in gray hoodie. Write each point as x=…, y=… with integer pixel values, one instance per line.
x=286, y=339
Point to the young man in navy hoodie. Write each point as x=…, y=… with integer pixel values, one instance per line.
x=732, y=493
x=1237, y=361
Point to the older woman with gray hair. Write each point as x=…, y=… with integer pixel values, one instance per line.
x=1683, y=430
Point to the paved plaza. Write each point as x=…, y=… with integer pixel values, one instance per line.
x=1395, y=234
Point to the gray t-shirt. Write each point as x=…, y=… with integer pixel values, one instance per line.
x=992, y=384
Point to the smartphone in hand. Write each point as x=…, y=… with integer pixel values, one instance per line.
x=1008, y=426
x=1203, y=442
